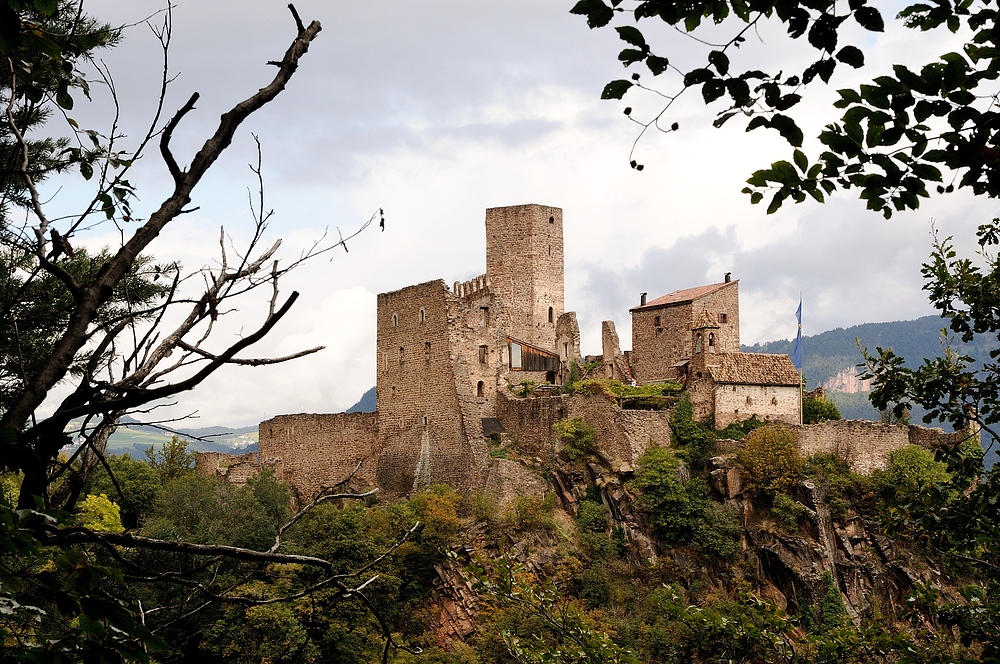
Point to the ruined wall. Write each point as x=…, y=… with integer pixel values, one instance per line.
x=865, y=445
x=657, y=347
x=235, y=468
x=623, y=435
x=524, y=265
x=767, y=402
x=311, y=452
x=418, y=403
x=567, y=344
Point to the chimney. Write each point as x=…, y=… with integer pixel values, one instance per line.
x=729, y=277
x=642, y=299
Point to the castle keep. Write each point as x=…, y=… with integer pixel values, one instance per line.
x=446, y=358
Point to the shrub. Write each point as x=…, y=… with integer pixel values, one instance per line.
x=577, y=437
x=771, y=461
x=816, y=410
x=787, y=511
x=911, y=471
x=530, y=513
x=681, y=512
x=695, y=441
x=840, y=482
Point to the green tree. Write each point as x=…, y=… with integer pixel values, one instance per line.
x=896, y=134
x=818, y=409
x=172, y=460
x=771, y=461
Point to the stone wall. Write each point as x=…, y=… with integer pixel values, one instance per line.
x=524, y=265
x=767, y=402
x=623, y=435
x=865, y=445
x=311, y=452
x=235, y=468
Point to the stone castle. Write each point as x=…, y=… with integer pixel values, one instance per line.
x=446, y=358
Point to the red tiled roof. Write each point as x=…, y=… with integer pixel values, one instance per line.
x=754, y=369
x=682, y=296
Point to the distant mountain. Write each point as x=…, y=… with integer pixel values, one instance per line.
x=830, y=358
x=366, y=404
x=134, y=437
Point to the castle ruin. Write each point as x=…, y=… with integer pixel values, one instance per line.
x=446, y=358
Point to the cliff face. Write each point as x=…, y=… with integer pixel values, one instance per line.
x=793, y=567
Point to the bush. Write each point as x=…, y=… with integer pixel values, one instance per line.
x=530, y=513
x=577, y=437
x=911, y=471
x=695, y=441
x=681, y=513
x=840, y=482
x=816, y=410
x=771, y=461
x=786, y=511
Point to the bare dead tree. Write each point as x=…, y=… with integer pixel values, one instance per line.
x=133, y=361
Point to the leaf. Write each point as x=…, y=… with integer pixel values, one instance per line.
x=788, y=129
x=776, y=202
x=86, y=170
x=616, y=89
x=800, y=160
x=46, y=7
x=632, y=36
x=656, y=64
x=851, y=55
x=869, y=18
x=598, y=14
x=630, y=55
x=712, y=90
x=720, y=61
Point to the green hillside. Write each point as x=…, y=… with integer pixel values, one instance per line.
x=827, y=354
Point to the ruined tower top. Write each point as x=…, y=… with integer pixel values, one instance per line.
x=524, y=264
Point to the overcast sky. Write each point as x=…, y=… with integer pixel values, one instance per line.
x=436, y=110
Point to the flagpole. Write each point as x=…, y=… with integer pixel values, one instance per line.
x=798, y=357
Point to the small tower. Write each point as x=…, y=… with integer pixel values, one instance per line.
x=524, y=265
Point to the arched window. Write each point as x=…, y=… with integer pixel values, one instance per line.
x=427, y=351
x=656, y=321
x=425, y=420
x=711, y=342
x=402, y=353
x=551, y=314
x=480, y=389
x=423, y=315
x=697, y=343
x=395, y=320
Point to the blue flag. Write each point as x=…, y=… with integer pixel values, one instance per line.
x=797, y=357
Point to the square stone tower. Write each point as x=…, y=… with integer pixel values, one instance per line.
x=524, y=266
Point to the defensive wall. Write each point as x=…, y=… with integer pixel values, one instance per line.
x=866, y=445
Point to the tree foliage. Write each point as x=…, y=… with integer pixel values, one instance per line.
x=771, y=461
x=891, y=138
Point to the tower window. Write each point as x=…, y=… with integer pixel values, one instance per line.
x=656, y=321
x=723, y=318
x=402, y=353
x=711, y=342
x=427, y=351
x=697, y=344
x=423, y=315
x=552, y=220
x=551, y=314
x=480, y=389
x=395, y=320
x=482, y=354
x=425, y=420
